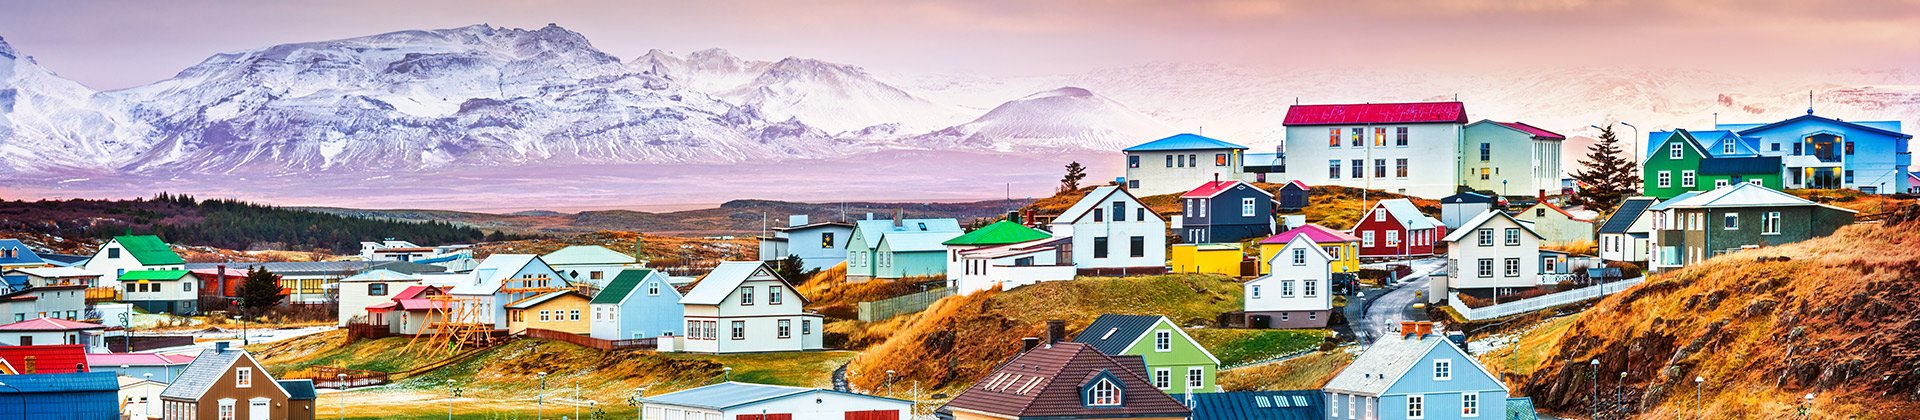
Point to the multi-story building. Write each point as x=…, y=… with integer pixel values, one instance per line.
x=1298, y=293
x=1814, y=151
x=1409, y=148
x=818, y=244
x=1492, y=255
x=1225, y=212
x=744, y=307
x=1685, y=161
x=1512, y=158
x=1175, y=164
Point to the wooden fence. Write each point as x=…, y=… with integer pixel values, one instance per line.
x=147, y=342
x=883, y=309
x=331, y=377
x=585, y=341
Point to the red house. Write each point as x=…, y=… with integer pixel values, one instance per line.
x=1397, y=229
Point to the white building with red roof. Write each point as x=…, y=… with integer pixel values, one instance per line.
x=1512, y=158
x=1410, y=148
x=44, y=331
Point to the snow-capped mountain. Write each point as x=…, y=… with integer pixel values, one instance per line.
x=1066, y=118
x=834, y=97
x=41, y=112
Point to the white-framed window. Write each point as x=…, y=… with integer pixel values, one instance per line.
x=653, y=289
x=1254, y=291
x=1485, y=266
x=739, y=330
x=1299, y=256
x=746, y=292
x=1686, y=179
x=1195, y=377
x=1513, y=267
x=1666, y=179
x=573, y=315
x=1443, y=369
x=1162, y=378
x=1513, y=236
x=1756, y=181
x=1733, y=221
x=1485, y=236
x=226, y=409
x=1163, y=340
x=1729, y=148
x=1366, y=238
x=1393, y=238
x=243, y=377
x=1416, y=406
x=785, y=328
x=1309, y=288
x=1104, y=394
x=1379, y=216
x=1720, y=183
x=1770, y=225
x=1470, y=404
x=1246, y=207
x=1673, y=151
x=1286, y=288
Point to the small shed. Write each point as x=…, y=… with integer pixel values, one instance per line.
x=1294, y=196
x=1457, y=209
x=1222, y=259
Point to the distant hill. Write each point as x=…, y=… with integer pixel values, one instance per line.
x=228, y=224
x=737, y=217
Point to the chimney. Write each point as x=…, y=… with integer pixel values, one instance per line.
x=1013, y=216
x=869, y=215
x=1029, y=218
x=1029, y=343
x=1412, y=329
x=1056, y=331
x=899, y=217
x=1216, y=177
x=219, y=346
x=1542, y=196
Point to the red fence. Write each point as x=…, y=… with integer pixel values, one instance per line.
x=331, y=377
x=585, y=341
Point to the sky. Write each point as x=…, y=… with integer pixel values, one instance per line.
x=119, y=44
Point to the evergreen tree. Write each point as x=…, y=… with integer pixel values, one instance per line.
x=259, y=291
x=1608, y=178
x=1075, y=173
x=793, y=269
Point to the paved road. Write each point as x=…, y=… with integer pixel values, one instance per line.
x=1386, y=307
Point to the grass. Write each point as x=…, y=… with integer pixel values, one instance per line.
x=1524, y=356
x=1309, y=371
x=1238, y=346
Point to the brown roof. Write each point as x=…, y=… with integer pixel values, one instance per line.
x=1046, y=382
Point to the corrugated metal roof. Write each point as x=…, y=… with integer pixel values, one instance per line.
x=1213, y=188
x=1744, y=195
x=1408, y=214
x=1677, y=198
x=1184, y=141
x=624, y=284
x=298, y=389
x=1861, y=127
x=61, y=383
x=1382, y=364
x=1755, y=165
x=1044, y=383
x=536, y=300
x=55, y=272
x=1385, y=113
x=1112, y=333
x=1317, y=233
x=149, y=250
x=872, y=230
x=1629, y=211
x=1467, y=228
x=153, y=275
x=1259, y=405
x=1534, y=131
x=135, y=359
x=50, y=324
x=917, y=241
x=724, y=279
x=62, y=358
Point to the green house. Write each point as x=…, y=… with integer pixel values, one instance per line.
x=891, y=249
x=1683, y=162
x=1176, y=364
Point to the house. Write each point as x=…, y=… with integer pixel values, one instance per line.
x=1913, y=182
x=1738, y=217
x=1264, y=167
x=1176, y=364
x=1173, y=164
x=1222, y=259
x=132, y=253
x=1684, y=161
x=139, y=398
x=313, y=282
x=392, y=250
x=592, y=265
x=1511, y=156
x=1004, y=232
x=638, y=303
x=82, y=395
x=1013, y=265
x=227, y=383
x=161, y=368
x=64, y=260
x=45, y=358
x=1225, y=212
x=14, y=254
x=1395, y=228
x=59, y=302
x=1294, y=196
x=1557, y=225
x=300, y=398
x=222, y=283
x=819, y=245
x=501, y=279
x=739, y=400
x=56, y=276
x=410, y=310
x=1811, y=151
x=1398, y=147
x=373, y=287
x=743, y=307
x=1260, y=405
x=1113, y=233
x=1298, y=293
x=1625, y=235
x=161, y=291
x=1493, y=254
x=1457, y=209
x=1417, y=374
x=560, y=310
x=882, y=249
x=1064, y=380
x=1344, y=248
x=42, y=331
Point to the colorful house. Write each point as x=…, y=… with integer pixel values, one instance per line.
x=1395, y=228
x=1222, y=259
x=83, y=395
x=1225, y=212
x=638, y=303
x=1491, y=255
x=1298, y=293
x=1175, y=163
x=1626, y=234
x=227, y=383
x=1294, y=196
x=45, y=331
x=62, y=302
x=1739, y=217
x=1176, y=364
x=1065, y=380
x=1417, y=374
x=738, y=400
x=819, y=245
x=14, y=254
x=591, y=265
x=1114, y=234
x=168, y=291
x=744, y=307
x=891, y=249
x=1408, y=148
x=1557, y=225
x=502, y=279
x=563, y=311
x=1004, y=232
x=132, y=253
x=410, y=310
x=1014, y=265
x=1813, y=152
x=1684, y=161
x=1511, y=157
x=374, y=287
x=1344, y=248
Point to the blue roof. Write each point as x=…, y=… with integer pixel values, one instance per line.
x=1810, y=116
x=298, y=389
x=1184, y=141
x=441, y=259
x=61, y=383
x=14, y=282
x=64, y=260
x=1259, y=405
x=726, y=395
x=25, y=256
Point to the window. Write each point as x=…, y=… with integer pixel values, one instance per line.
x=776, y=295
x=1379, y=168
x=1193, y=160
x=806, y=327
x=1728, y=149
x=1673, y=151
x=1179, y=161
x=226, y=409
x=1485, y=266
x=1099, y=215
x=1775, y=147
x=1486, y=152
x=746, y=294
x=1443, y=369
x=653, y=288
x=1354, y=136
x=784, y=328
x=1359, y=168
x=1513, y=236
x=1400, y=168
x=1393, y=238
x=1310, y=288
x=826, y=239
x=1849, y=147
x=573, y=315
x=1366, y=238
x=1547, y=264
x=1246, y=207
x=243, y=377
x=1104, y=393
x=1379, y=137
x=739, y=330
x=1333, y=169
x=1379, y=215
x=1485, y=173
x=377, y=289
x=1770, y=225
x=1195, y=377
x=1868, y=190
x=1333, y=137
x=1133, y=161
x=1513, y=267
x=1140, y=213
x=1169, y=161
x=1162, y=376
x=1099, y=246
x=1400, y=136
x=1733, y=221
x=1299, y=256
x=1686, y=179
x=113, y=252
x=1666, y=179
x=1119, y=211
x=188, y=287
x=1138, y=247
x=1849, y=176
x=1219, y=159
x=545, y=316
x=1133, y=184
x=1470, y=404
x=1286, y=288
x=596, y=275
x=1485, y=236
x=1163, y=340
x=1255, y=291
x=1719, y=183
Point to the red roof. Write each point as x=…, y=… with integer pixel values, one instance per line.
x=1535, y=131
x=136, y=359
x=1209, y=189
x=64, y=358
x=1317, y=233
x=1302, y=185
x=1400, y=113
x=413, y=292
x=50, y=324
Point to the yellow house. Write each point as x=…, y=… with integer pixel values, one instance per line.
x=1223, y=259
x=563, y=311
x=1344, y=247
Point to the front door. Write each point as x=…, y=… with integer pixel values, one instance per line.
x=259, y=409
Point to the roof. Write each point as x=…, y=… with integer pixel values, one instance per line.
x=1319, y=234
x=1259, y=405
x=917, y=241
x=381, y=274
x=153, y=275
x=136, y=359
x=63, y=358
x=50, y=324
x=1810, y=116
x=727, y=395
x=726, y=278
x=492, y=273
x=61, y=383
x=323, y=268
x=1629, y=211
x=412, y=292
x=1466, y=197
x=1296, y=184
x=1557, y=209
x=54, y=272
x=1743, y=195
x=813, y=225
x=1740, y=165
x=64, y=259
x=1382, y=364
x=1484, y=217
x=1677, y=198
x=999, y=233
x=623, y=284
x=23, y=256
x=205, y=371
x=1029, y=247
x=1521, y=408
x=1385, y=113
x=149, y=250
x=587, y=254
x=1536, y=132
x=1093, y=199
x=871, y=231
x=1403, y=210
x=1184, y=141
x=1685, y=136
x=1046, y=382
x=1213, y=188
x=1113, y=333
x=298, y=389
x=538, y=299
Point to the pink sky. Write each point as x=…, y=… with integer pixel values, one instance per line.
x=117, y=44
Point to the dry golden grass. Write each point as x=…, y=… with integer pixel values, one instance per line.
x=830, y=294
x=1855, y=200
x=1309, y=371
x=1580, y=247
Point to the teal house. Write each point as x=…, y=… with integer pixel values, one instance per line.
x=1685, y=161
x=1176, y=364
x=891, y=249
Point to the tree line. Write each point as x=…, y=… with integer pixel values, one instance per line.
x=226, y=223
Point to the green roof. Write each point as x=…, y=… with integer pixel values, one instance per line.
x=149, y=249
x=621, y=285
x=153, y=275
x=999, y=233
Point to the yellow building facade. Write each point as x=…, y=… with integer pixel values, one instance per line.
x=1222, y=259
x=564, y=311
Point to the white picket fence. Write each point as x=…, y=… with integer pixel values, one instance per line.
x=1539, y=303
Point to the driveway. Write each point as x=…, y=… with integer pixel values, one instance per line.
x=1381, y=310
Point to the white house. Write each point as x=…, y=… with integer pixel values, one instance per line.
x=742, y=307
x=140, y=398
x=1493, y=254
x=53, y=331
x=1409, y=148
x=589, y=264
x=1179, y=162
x=1558, y=225
x=1511, y=158
x=1627, y=234
x=63, y=302
x=736, y=400
x=1012, y=265
x=370, y=288
x=132, y=253
x=637, y=303
x=1298, y=293
x=1114, y=234
x=501, y=279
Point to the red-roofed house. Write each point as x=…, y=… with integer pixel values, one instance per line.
x=409, y=310
x=46, y=358
x=1344, y=248
x=1409, y=148
x=1511, y=158
x=163, y=367
x=1224, y=212
x=43, y=331
x=1397, y=229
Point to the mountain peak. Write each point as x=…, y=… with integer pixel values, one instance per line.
x=1064, y=91
x=6, y=50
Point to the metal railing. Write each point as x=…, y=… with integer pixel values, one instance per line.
x=883, y=309
x=1540, y=303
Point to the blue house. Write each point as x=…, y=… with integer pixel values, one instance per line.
x=637, y=303
x=1816, y=151
x=1258, y=405
x=14, y=254
x=819, y=245
x=80, y=395
x=1416, y=375
x=1294, y=196
x=891, y=249
x=1225, y=212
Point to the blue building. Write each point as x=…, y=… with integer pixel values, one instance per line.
x=1225, y=212
x=820, y=245
x=1816, y=151
x=1418, y=374
x=54, y=396
x=14, y=254
x=637, y=303
x=1258, y=405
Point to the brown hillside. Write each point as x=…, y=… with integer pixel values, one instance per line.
x=1832, y=316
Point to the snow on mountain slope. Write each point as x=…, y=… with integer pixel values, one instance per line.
x=1066, y=118
x=41, y=112
x=837, y=98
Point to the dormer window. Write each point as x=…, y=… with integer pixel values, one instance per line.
x=1103, y=394
x=1673, y=151
x=1729, y=148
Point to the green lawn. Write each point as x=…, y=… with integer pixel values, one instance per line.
x=1237, y=346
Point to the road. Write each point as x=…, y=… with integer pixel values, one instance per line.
x=1385, y=308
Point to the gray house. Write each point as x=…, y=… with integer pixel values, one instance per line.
x=1742, y=216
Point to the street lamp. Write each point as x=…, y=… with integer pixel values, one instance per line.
x=540, y=400
x=1620, y=393
x=1698, y=381
x=726, y=374
x=638, y=409
x=343, y=394
x=1636, y=147
x=1806, y=411
x=1596, y=386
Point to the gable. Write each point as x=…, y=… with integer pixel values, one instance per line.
x=1467, y=373
x=1184, y=349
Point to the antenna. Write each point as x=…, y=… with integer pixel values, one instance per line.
x=1202, y=131
x=1716, y=120
x=1809, y=102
